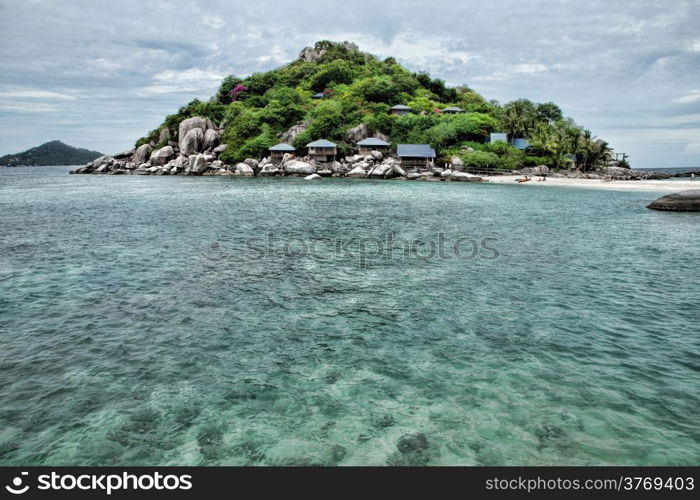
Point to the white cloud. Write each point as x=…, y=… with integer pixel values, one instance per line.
x=688, y=97
x=34, y=94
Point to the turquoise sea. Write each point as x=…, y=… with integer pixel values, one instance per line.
x=180, y=320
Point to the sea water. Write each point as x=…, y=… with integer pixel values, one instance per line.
x=193, y=320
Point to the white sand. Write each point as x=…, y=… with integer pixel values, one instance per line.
x=669, y=186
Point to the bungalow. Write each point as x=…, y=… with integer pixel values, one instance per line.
x=399, y=109
x=415, y=155
x=370, y=144
x=453, y=110
x=278, y=151
x=322, y=150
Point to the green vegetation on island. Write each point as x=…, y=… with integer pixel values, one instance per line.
x=334, y=87
x=50, y=153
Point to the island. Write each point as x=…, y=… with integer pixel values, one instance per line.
x=339, y=112
x=49, y=154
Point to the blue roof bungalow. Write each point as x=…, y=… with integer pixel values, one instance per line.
x=278, y=151
x=415, y=155
x=453, y=110
x=366, y=146
x=322, y=150
x=399, y=109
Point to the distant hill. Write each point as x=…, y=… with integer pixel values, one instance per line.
x=50, y=153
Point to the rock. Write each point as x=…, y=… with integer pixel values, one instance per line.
x=292, y=132
x=312, y=177
x=153, y=170
x=358, y=172
x=211, y=139
x=244, y=170
x=308, y=54
x=398, y=170
x=380, y=171
x=356, y=134
x=286, y=157
x=218, y=164
x=192, y=141
x=190, y=124
x=142, y=153
x=540, y=169
x=269, y=169
x=446, y=173
x=457, y=163
x=413, y=176
x=164, y=136
x=299, y=167
x=199, y=165
x=162, y=156
x=219, y=149
x=683, y=201
x=252, y=163
x=464, y=177
x=102, y=169
x=325, y=173
x=182, y=161
x=377, y=155
x=124, y=154
x=412, y=443
x=209, y=157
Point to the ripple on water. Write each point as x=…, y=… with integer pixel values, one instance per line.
x=137, y=327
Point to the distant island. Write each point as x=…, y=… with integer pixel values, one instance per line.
x=50, y=153
x=337, y=111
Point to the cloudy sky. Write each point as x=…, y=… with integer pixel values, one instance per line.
x=99, y=74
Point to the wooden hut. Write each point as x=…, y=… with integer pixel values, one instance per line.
x=415, y=155
x=366, y=146
x=278, y=151
x=453, y=110
x=400, y=109
x=322, y=150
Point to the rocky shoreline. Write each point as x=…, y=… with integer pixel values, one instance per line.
x=198, y=151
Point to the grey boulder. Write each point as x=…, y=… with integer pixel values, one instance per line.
x=683, y=201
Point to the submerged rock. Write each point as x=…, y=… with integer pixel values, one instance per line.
x=683, y=201
x=312, y=177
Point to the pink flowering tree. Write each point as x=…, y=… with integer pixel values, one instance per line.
x=237, y=90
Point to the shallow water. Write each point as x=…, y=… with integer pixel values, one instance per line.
x=137, y=326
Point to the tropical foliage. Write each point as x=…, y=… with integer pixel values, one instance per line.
x=360, y=88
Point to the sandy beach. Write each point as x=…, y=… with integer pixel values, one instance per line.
x=669, y=186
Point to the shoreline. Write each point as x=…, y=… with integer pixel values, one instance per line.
x=669, y=186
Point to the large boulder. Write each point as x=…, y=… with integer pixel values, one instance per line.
x=381, y=171
x=142, y=154
x=191, y=123
x=308, y=54
x=192, y=142
x=243, y=169
x=683, y=201
x=162, y=156
x=358, y=172
x=164, y=136
x=398, y=170
x=269, y=169
x=292, y=132
x=124, y=154
x=219, y=149
x=299, y=167
x=540, y=170
x=211, y=139
x=464, y=177
x=199, y=165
